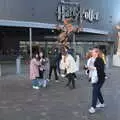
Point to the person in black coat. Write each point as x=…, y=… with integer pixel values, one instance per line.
x=53, y=58
x=96, y=92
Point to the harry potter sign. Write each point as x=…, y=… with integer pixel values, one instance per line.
x=74, y=11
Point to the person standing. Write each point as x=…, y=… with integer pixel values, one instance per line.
x=90, y=62
x=42, y=65
x=97, y=80
x=34, y=71
x=105, y=62
x=53, y=56
x=58, y=62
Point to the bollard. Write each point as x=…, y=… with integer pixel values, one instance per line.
x=0, y=71
x=108, y=61
x=18, y=65
x=78, y=62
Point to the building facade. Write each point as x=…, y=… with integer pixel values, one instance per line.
x=97, y=18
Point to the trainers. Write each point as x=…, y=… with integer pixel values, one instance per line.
x=57, y=81
x=100, y=105
x=92, y=110
x=45, y=83
x=48, y=80
x=35, y=87
x=106, y=77
x=62, y=75
x=75, y=79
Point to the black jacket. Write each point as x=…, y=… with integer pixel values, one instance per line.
x=53, y=57
x=99, y=64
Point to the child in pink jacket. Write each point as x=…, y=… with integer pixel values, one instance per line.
x=34, y=71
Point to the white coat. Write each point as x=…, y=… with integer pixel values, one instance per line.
x=68, y=63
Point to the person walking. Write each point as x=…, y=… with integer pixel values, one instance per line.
x=53, y=56
x=97, y=80
x=68, y=63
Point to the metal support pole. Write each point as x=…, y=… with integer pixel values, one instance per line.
x=74, y=44
x=46, y=48
x=0, y=71
x=18, y=65
x=30, y=39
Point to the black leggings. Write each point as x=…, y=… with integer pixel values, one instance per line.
x=71, y=77
x=55, y=72
x=41, y=74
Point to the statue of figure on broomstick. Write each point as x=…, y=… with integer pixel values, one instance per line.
x=66, y=36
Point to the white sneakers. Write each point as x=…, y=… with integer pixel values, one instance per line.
x=62, y=75
x=100, y=105
x=92, y=110
x=57, y=81
x=35, y=87
x=75, y=79
x=48, y=80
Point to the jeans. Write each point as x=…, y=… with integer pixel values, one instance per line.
x=96, y=94
x=58, y=67
x=35, y=82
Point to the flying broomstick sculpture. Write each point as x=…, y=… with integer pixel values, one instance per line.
x=66, y=36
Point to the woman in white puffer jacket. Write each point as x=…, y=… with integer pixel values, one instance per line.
x=68, y=63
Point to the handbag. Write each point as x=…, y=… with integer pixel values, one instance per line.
x=43, y=83
x=94, y=78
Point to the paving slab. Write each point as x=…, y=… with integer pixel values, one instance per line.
x=18, y=101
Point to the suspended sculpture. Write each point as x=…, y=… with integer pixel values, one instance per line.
x=66, y=36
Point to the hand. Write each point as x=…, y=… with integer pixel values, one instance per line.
x=85, y=67
x=91, y=68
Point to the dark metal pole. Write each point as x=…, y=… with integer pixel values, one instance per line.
x=74, y=44
x=30, y=40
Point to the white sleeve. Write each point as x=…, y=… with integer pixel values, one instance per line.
x=62, y=64
x=88, y=62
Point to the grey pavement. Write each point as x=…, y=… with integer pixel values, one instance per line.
x=18, y=101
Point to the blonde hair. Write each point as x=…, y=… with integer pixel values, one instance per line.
x=88, y=54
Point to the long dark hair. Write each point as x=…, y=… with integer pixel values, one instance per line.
x=34, y=55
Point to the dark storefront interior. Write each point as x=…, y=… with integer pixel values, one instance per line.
x=14, y=41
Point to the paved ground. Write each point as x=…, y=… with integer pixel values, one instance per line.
x=18, y=101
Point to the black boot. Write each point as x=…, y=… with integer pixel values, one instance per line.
x=67, y=85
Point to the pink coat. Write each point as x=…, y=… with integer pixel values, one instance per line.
x=34, y=72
